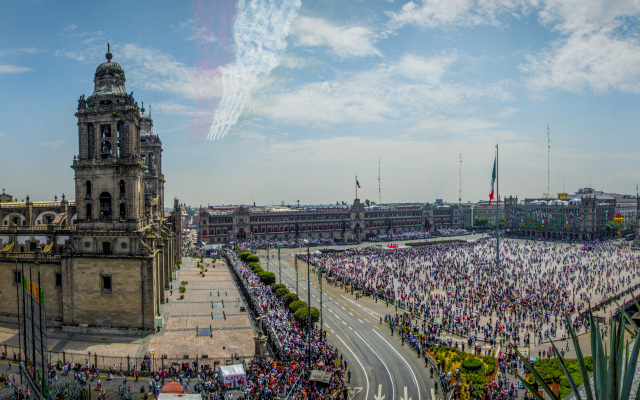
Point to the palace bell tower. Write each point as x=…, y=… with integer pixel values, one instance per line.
x=109, y=173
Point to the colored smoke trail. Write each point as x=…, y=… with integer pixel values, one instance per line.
x=260, y=33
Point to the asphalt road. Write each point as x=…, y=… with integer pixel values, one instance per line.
x=382, y=369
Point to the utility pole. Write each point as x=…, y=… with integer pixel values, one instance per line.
x=295, y=261
x=460, y=183
x=497, y=214
x=379, y=188
x=279, y=266
x=320, y=285
x=548, y=162
x=309, y=299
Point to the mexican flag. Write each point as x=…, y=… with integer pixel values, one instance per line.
x=358, y=184
x=493, y=181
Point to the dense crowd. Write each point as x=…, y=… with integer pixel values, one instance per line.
x=458, y=288
x=265, y=380
x=452, y=232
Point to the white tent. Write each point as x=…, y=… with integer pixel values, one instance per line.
x=232, y=376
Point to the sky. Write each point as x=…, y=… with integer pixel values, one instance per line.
x=272, y=101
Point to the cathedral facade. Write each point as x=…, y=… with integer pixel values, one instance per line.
x=105, y=260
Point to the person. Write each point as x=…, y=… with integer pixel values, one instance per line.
x=349, y=376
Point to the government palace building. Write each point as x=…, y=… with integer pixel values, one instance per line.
x=106, y=259
x=220, y=225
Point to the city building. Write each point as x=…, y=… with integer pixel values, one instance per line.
x=105, y=260
x=220, y=225
x=586, y=218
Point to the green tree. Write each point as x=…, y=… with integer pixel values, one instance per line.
x=243, y=256
x=481, y=221
x=296, y=305
x=282, y=292
x=274, y=288
x=290, y=298
x=252, y=258
x=254, y=265
x=302, y=315
x=268, y=278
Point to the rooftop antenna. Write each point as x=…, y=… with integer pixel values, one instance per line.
x=460, y=172
x=379, y=190
x=548, y=162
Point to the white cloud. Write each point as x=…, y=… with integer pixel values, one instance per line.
x=54, y=144
x=345, y=42
x=77, y=56
x=410, y=88
x=2, y=135
x=507, y=111
x=598, y=48
x=451, y=13
x=172, y=108
x=71, y=27
x=13, y=69
x=202, y=35
x=157, y=71
x=23, y=50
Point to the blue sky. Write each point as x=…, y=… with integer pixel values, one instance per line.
x=272, y=101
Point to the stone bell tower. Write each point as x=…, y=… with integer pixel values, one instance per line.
x=109, y=174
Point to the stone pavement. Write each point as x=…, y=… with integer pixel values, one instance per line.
x=211, y=302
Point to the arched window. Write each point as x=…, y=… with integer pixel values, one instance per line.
x=105, y=131
x=88, y=217
x=123, y=213
x=105, y=205
x=122, y=186
x=105, y=149
x=88, y=188
x=118, y=149
x=91, y=140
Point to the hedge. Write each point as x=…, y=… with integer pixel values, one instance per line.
x=282, y=292
x=243, y=256
x=254, y=265
x=472, y=365
x=252, y=258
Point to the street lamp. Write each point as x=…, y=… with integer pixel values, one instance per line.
x=153, y=356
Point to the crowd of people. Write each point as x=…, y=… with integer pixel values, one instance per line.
x=264, y=379
x=452, y=232
x=457, y=288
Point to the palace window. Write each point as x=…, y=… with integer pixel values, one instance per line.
x=88, y=188
x=106, y=248
x=105, y=205
x=122, y=187
x=88, y=216
x=17, y=277
x=105, y=131
x=122, y=210
x=105, y=149
x=58, y=279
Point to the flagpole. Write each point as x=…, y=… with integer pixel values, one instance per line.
x=356, y=186
x=497, y=214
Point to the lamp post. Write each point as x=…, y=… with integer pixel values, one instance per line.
x=320, y=286
x=153, y=356
x=279, y=265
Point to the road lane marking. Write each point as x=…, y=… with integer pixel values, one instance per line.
x=359, y=315
x=415, y=381
x=360, y=321
x=376, y=326
x=351, y=309
x=393, y=386
x=351, y=314
x=367, y=320
x=362, y=366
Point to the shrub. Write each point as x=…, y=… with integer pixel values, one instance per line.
x=243, y=256
x=472, y=364
x=531, y=379
x=254, y=265
x=290, y=298
x=182, y=289
x=490, y=366
x=252, y=258
x=258, y=270
x=274, y=288
x=302, y=315
x=268, y=278
x=282, y=292
x=295, y=305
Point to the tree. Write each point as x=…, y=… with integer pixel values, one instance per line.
x=274, y=288
x=282, y=292
x=268, y=278
x=290, y=298
x=252, y=258
x=481, y=221
x=302, y=315
x=296, y=305
x=613, y=372
x=243, y=256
